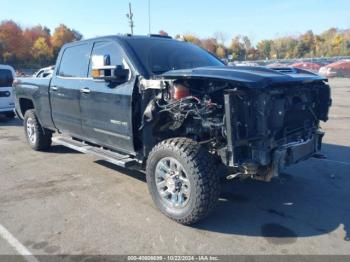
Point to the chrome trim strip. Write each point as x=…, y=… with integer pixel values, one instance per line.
x=74, y=78
x=111, y=133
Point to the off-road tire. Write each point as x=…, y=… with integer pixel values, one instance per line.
x=202, y=170
x=42, y=136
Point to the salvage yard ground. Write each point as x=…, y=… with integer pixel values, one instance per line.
x=64, y=202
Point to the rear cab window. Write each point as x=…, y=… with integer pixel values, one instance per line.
x=75, y=61
x=6, y=78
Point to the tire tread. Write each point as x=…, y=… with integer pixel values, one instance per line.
x=44, y=136
x=203, y=166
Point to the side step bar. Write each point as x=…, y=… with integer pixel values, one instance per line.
x=107, y=155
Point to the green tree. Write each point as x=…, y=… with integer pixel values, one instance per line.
x=42, y=52
x=237, y=49
x=306, y=46
x=328, y=36
x=247, y=45
x=319, y=45
x=264, y=49
x=283, y=48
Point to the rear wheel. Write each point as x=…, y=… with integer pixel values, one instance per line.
x=182, y=179
x=38, y=137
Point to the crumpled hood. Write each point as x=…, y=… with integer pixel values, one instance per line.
x=253, y=77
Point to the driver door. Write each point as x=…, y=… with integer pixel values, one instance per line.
x=106, y=107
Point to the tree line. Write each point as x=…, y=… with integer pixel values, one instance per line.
x=36, y=47
x=333, y=42
x=32, y=47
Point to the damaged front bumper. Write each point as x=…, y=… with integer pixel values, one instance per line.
x=293, y=153
x=258, y=144
x=279, y=159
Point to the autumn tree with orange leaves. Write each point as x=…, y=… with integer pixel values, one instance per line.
x=37, y=46
x=32, y=47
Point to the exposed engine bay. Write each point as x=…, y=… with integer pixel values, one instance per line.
x=254, y=132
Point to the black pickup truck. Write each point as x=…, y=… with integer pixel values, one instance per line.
x=175, y=111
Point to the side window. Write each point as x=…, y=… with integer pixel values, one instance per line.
x=107, y=48
x=75, y=61
x=6, y=78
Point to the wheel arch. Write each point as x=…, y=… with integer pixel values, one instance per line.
x=25, y=104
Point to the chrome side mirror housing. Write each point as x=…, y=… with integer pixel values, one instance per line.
x=103, y=70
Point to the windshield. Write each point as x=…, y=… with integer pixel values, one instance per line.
x=162, y=55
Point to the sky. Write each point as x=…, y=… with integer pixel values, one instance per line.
x=258, y=19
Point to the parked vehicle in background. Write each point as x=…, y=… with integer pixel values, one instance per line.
x=178, y=113
x=276, y=65
x=337, y=69
x=243, y=63
x=7, y=104
x=313, y=67
x=44, y=72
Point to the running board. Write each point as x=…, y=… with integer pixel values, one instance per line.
x=107, y=155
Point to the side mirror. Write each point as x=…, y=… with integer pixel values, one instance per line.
x=103, y=70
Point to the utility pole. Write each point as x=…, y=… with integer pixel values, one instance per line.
x=130, y=16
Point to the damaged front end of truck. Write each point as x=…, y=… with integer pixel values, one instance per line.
x=255, y=120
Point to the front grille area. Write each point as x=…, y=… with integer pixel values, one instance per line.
x=291, y=113
x=260, y=121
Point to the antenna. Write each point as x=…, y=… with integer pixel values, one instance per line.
x=130, y=16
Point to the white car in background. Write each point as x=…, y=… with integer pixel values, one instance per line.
x=7, y=104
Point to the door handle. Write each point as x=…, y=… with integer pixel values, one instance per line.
x=85, y=90
x=54, y=88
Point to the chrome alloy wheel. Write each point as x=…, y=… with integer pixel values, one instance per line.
x=31, y=130
x=172, y=183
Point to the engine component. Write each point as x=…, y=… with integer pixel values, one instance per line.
x=204, y=118
x=179, y=91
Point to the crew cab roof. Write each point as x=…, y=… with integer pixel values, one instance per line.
x=123, y=41
x=120, y=38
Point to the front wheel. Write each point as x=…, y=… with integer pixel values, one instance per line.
x=38, y=137
x=182, y=179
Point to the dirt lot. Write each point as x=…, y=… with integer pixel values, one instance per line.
x=63, y=202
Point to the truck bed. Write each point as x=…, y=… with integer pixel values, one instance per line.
x=38, y=88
